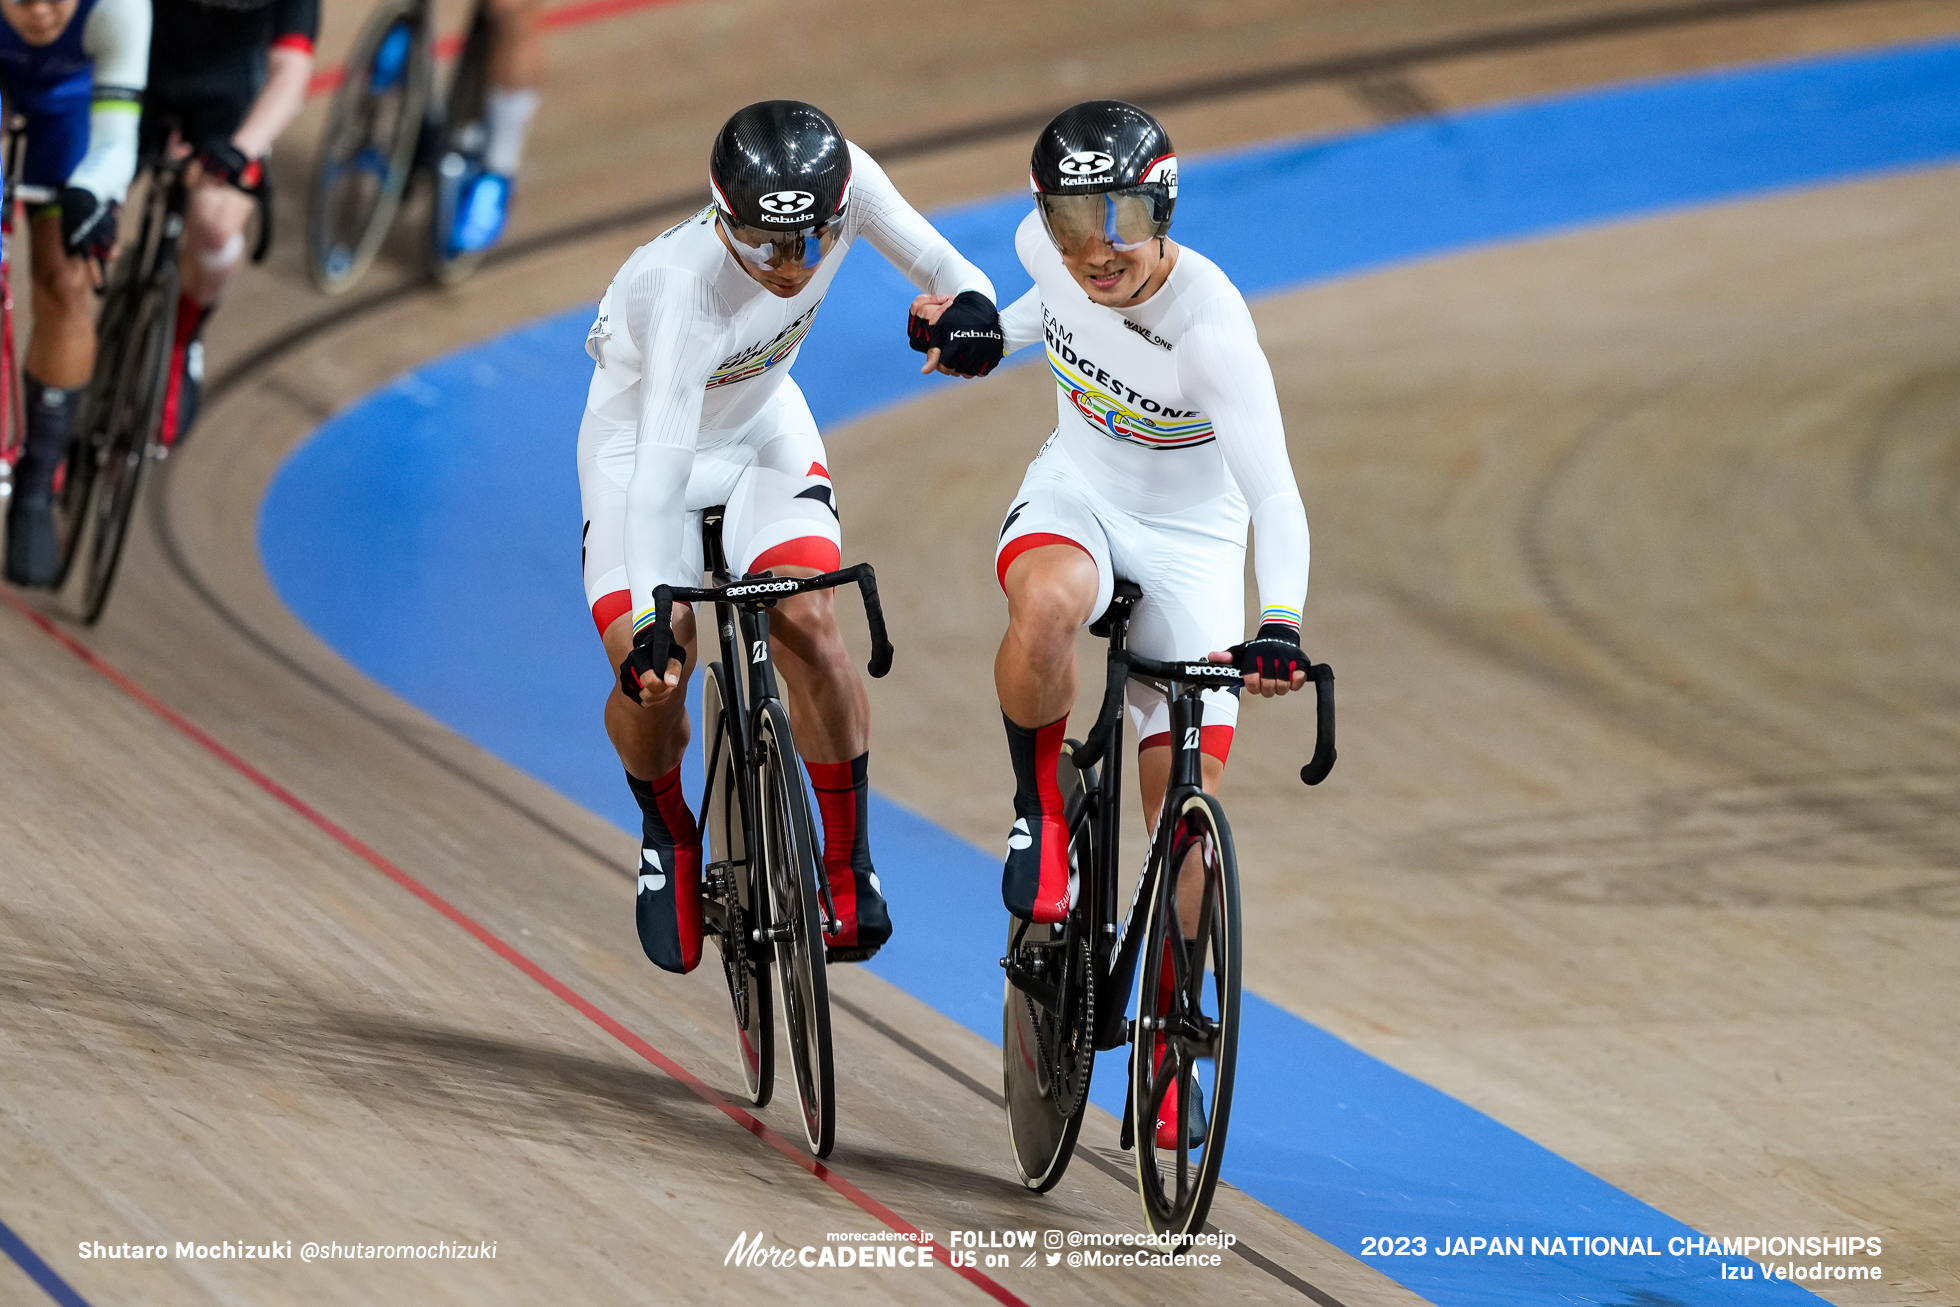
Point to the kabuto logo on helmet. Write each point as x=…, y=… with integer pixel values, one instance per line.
x=780, y=164
x=1086, y=163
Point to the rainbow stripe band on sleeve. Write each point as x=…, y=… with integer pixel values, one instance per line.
x=1280, y=613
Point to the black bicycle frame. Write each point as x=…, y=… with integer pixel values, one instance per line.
x=1113, y=951
x=742, y=624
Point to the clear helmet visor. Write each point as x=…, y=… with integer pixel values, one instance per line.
x=1124, y=219
x=779, y=250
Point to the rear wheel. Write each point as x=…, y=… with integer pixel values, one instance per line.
x=368, y=152
x=731, y=883
x=1188, y=1019
x=129, y=382
x=1048, y=1053
x=460, y=158
x=797, y=925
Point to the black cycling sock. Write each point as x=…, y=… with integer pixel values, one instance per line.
x=50, y=416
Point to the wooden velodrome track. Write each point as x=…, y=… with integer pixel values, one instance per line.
x=1635, y=546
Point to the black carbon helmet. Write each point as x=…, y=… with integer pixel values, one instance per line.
x=1103, y=146
x=780, y=165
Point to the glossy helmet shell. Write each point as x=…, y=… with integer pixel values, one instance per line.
x=780, y=165
x=1106, y=145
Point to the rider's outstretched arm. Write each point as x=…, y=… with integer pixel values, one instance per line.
x=1221, y=366
x=666, y=313
x=900, y=233
x=117, y=40
x=288, y=69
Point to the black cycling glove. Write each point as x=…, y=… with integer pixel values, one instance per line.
x=968, y=335
x=654, y=640
x=224, y=162
x=1274, y=653
x=88, y=224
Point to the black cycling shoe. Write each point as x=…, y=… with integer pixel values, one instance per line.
x=874, y=922
x=33, y=551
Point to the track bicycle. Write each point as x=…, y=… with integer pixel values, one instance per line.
x=1068, y=985
x=118, y=431
x=386, y=126
x=763, y=891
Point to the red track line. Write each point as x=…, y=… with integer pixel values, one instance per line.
x=572, y=15
x=565, y=993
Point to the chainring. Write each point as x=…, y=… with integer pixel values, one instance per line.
x=1060, y=1044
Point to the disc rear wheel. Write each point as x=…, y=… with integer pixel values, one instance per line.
x=797, y=925
x=1048, y=1050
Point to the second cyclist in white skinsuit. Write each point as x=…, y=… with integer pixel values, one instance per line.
x=691, y=405
x=1168, y=444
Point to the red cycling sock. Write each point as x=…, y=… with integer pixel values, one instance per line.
x=843, y=789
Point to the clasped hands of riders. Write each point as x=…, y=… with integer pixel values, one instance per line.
x=961, y=336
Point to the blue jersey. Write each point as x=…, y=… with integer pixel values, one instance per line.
x=39, y=76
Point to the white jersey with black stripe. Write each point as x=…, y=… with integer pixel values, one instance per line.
x=688, y=348
x=1169, y=404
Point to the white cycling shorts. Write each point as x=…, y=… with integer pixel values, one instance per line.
x=782, y=511
x=1190, y=565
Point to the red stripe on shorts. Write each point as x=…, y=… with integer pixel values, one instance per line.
x=1019, y=545
x=1214, y=740
x=610, y=608
x=804, y=551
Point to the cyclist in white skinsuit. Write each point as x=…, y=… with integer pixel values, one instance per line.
x=692, y=405
x=1169, y=444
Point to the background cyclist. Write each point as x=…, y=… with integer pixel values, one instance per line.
x=1168, y=444
x=75, y=70
x=509, y=104
x=228, y=76
x=691, y=405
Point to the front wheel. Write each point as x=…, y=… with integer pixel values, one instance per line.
x=119, y=430
x=797, y=925
x=1188, y=1018
x=368, y=151
x=731, y=885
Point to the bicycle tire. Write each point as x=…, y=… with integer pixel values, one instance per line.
x=367, y=152
x=791, y=862
x=1203, y=1021
x=745, y=965
x=75, y=486
x=463, y=139
x=1047, y=1059
x=137, y=376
